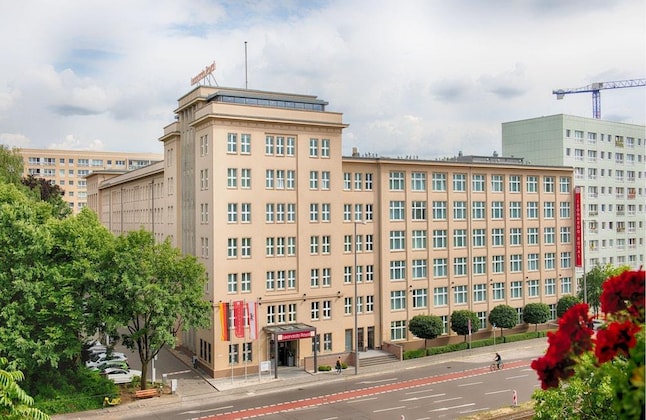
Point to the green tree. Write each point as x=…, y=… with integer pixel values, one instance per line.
x=11, y=165
x=460, y=322
x=565, y=303
x=536, y=313
x=153, y=291
x=503, y=316
x=427, y=327
x=591, y=288
x=51, y=193
x=15, y=403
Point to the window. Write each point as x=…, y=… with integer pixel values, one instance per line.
x=314, y=310
x=459, y=182
x=459, y=210
x=204, y=145
x=478, y=210
x=439, y=210
x=327, y=309
x=397, y=330
x=497, y=237
x=325, y=180
x=564, y=184
x=232, y=212
x=515, y=210
x=245, y=143
x=204, y=179
x=478, y=183
x=232, y=143
x=564, y=209
x=531, y=183
x=515, y=236
x=532, y=209
x=419, y=269
x=232, y=283
x=479, y=265
x=550, y=287
x=459, y=238
x=460, y=295
x=396, y=181
x=548, y=209
x=549, y=236
x=548, y=184
x=439, y=267
x=397, y=300
x=566, y=259
x=419, y=239
x=325, y=148
x=460, y=266
x=397, y=210
x=498, y=291
x=497, y=210
x=397, y=270
x=532, y=262
x=548, y=262
x=418, y=181
x=314, y=147
x=314, y=180
x=566, y=285
x=420, y=298
x=397, y=240
x=233, y=354
x=566, y=235
x=516, y=289
x=439, y=182
x=368, y=181
x=532, y=236
x=439, y=239
x=497, y=183
x=515, y=263
x=245, y=178
x=514, y=183
x=480, y=292
x=357, y=181
x=419, y=210
x=440, y=296
x=347, y=181
x=479, y=238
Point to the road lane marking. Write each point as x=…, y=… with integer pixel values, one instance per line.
x=470, y=384
x=452, y=408
x=361, y=400
x=421, y=398
x=447, y=399
x=179, y=372
x=206, y=411
x=474, y=410
x=497, y=392
x=419, y=392
x=517, y=377
x=379, y=381
x=388, y=409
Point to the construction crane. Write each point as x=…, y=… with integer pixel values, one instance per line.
x=595, y=88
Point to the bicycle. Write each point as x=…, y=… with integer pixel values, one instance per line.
x=494, y=366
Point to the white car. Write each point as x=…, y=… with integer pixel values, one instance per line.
x=98, y=359
x=110, y=364
x=121, y=376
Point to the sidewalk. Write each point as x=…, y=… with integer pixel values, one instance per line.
x=193, y=392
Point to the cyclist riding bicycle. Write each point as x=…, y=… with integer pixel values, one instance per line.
x=497, y=360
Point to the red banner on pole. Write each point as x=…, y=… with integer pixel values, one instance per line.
x=238, y=318
x=578, y=223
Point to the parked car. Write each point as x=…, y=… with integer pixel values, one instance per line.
x=110, y=364
x=121, y=376
x=104, y=357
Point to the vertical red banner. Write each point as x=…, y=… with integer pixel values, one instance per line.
x=238, y=318
x=578, y=223
x=224, y=321
x=252, y=308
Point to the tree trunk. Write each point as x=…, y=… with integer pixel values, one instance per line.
x=144, y=375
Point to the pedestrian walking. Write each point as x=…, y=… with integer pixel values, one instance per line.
x=338, y=366
x=194, y=360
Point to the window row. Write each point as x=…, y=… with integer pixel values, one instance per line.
x=439, y=210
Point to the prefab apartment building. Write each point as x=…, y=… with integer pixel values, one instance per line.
x=255, y=185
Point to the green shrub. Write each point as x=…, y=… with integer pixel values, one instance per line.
x=73, y=391
x=344, y=365
x=325, y=368
x=414, y=354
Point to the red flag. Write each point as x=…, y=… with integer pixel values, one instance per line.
x=224, y=321
x=252, y=308
x=238, y=318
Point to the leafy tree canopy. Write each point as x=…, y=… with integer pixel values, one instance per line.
x=591, y=288
x=427, y=327
x=152, y=290
x=536, y=313
x=11, y=165
x=460, y=322
x=503, y=316
x=565, y=303
x=51, y=193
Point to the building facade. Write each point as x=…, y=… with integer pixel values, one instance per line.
x=609, y=161
x=315, y=244
x=68, y=168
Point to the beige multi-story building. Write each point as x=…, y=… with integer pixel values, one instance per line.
x=336, y=253
x=68, y=168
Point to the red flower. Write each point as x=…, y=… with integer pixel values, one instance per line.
x=617, y=338
x=552, y=369
x=622, y=290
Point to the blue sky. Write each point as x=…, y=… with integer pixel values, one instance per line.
x=427, y=78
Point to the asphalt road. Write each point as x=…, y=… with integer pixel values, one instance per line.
x=444, y=391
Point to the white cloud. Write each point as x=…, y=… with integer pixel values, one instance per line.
x=430, y=77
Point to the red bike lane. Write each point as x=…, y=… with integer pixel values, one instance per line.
x=358, y=393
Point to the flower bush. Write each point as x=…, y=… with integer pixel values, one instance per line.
x=607, y=370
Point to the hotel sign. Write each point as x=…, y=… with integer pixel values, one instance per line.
x=203, y=74
x=297, y=335
x=578, y=223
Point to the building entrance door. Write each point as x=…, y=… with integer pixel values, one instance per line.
x=360, y=339
x=371, y=338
